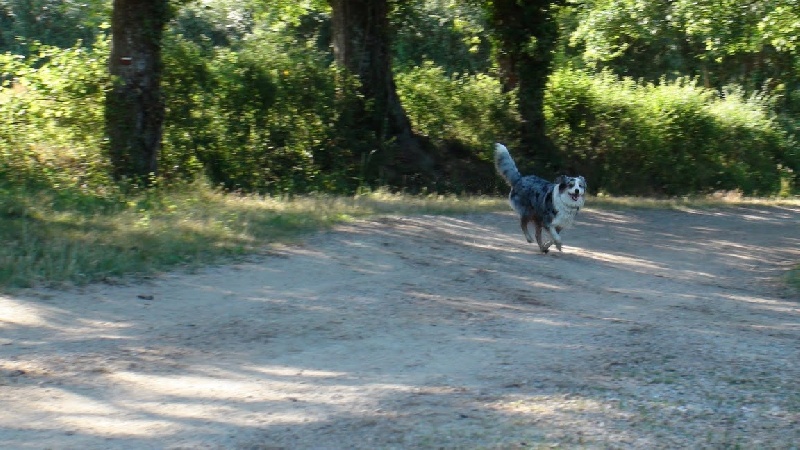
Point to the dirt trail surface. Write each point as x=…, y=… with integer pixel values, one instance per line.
x=654, y=329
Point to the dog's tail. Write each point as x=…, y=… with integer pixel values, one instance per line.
x=505, y=165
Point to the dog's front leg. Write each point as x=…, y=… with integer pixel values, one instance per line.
x=556, y=237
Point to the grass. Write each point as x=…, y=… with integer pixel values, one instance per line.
x=700, y=201
x=55, y=238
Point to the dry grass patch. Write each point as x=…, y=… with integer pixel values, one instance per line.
x=725, y=199
x=51, y=240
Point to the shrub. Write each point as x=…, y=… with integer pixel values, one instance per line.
x=469, y=109
x=671, y=138
x=51, y=104
x=266, y=119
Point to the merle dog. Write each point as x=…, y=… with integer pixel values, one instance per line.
x=550, y=206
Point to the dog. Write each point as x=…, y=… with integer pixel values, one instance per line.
x=549, y=206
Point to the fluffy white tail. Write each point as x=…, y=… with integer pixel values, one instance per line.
x=505, y=165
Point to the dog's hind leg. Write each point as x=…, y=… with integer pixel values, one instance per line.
x=523, y=223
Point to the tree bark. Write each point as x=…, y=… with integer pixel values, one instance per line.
x=361, y=45
x=526, y=34
x=134, y=105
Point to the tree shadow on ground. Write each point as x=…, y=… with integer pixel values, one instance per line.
x=653, y=328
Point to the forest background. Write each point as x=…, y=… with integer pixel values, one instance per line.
x=642, y=98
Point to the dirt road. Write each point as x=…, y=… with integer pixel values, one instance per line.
x=654, y=329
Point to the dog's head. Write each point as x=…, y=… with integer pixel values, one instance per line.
x=572, y=189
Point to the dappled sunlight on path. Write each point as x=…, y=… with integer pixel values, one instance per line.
x=653, y=327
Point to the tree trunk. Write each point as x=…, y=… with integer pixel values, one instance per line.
x=134, y=106
x=526, y=35
x=361, y=45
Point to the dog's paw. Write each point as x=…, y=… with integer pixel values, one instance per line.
x=558, y=246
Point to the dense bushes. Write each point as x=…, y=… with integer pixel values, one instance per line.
x=470, y=109
x=673, y=138
x=274, y=119
x=462, y=115
x=268, y=119
x=51, y=117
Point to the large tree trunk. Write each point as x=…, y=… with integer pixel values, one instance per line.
x=134, y=106
x=526, y=34
x=361, y=45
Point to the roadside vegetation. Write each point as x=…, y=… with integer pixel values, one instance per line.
x=263, y=139
x=61, y=238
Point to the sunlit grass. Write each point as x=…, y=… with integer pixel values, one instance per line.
x=52, y=238
x=50, y=243
x=698, y=201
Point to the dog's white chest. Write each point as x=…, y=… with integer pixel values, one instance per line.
x=565, y=217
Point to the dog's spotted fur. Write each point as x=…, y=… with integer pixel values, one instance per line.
x=549, y=206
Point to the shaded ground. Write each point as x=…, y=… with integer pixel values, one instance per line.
x=653, y=329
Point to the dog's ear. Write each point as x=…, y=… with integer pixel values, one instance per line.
x=561, y=183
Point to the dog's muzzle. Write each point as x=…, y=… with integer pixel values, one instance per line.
x=575, y=195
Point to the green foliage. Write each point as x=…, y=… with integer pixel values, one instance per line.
x=462, y=115
x=270, y=118
x=733, y=27
x=721, y=42
x=470, y=109
x=254, y=105
x=225, y=24
x=51, y=104
x=608, y=29
x=780, y=25
x=449, y=33
x=671, y=139
x=59, y=23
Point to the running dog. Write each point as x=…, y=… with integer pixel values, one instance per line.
x=550, y=206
